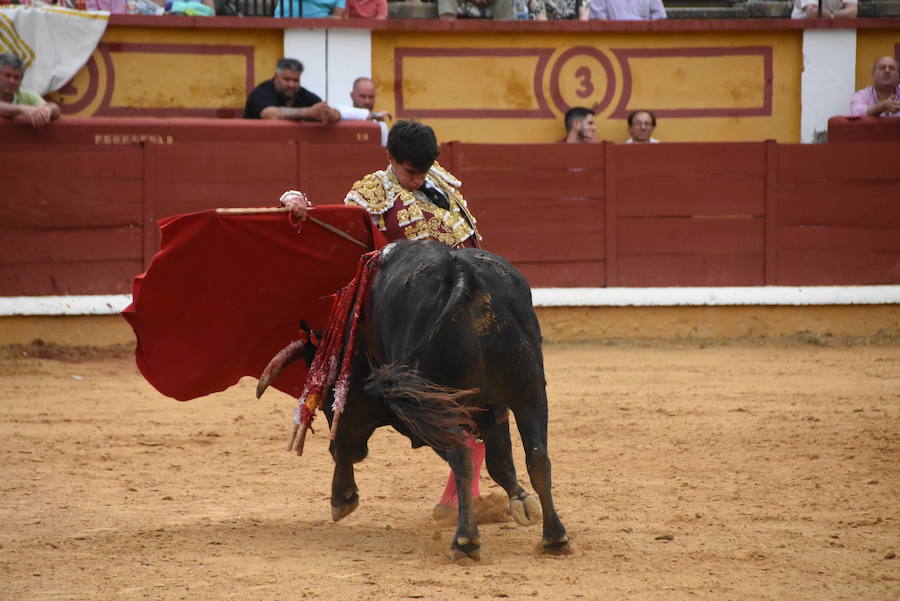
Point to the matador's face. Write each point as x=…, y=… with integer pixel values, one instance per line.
x=408, y=176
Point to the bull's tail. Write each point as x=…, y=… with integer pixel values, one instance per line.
x=433, y=413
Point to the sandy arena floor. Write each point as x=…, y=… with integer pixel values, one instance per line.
x=682, y=471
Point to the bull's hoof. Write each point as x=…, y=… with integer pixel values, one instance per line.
x=344, y=509
x=462, y=550
x=526, y=510
x=559, y=547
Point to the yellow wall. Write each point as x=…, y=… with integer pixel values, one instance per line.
x=476, y=86
x=171, y=72
x=457, y=81
x=870, y=46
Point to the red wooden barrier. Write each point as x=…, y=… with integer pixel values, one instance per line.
x=106, y=131
x=80, y=219
x=693, y=214
x=540, y=205
x=864, y=129
x=839, y=213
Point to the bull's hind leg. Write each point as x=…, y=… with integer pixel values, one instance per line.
x=466, y=542
x=523, y=507
x=533, y=429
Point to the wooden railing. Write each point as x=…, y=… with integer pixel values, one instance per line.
x=80, y=218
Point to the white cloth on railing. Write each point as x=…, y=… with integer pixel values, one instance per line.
x=351, y=113
x=53, y=42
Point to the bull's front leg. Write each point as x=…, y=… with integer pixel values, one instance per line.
x=344, y=497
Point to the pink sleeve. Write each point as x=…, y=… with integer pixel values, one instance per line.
x=381, y=11
x=859, y=104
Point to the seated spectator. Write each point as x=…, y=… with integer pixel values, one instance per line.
x=282, y=97
x=580, y=126
x=809, y=9
x=627, y=10
x=146, y=7
x=191, y=8
x=367, y=9
x=363, y=97
x=477, y=9
x=882, y=98
x=312, y=9
x=557, y=10
x=16, y=102
x=114, y=7
x=641, y=124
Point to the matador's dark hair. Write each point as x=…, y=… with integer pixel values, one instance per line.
x=413, y=142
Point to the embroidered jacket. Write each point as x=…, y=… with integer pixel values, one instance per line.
x=401, y=213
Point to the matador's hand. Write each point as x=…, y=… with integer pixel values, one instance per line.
x=297, y=202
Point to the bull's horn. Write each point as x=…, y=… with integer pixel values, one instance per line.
x=285, y=357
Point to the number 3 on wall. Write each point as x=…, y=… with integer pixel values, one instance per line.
x=582, y=76
x=586, y=86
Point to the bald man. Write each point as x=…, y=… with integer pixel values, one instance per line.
x=363, y=97
x=882, y=98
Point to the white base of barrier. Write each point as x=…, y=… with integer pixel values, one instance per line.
x=545, y=297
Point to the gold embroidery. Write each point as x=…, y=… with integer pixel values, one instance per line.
x=370, y=194
x=379, y=192
x=409, y=215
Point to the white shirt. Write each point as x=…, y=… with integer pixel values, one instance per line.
x=799, y=11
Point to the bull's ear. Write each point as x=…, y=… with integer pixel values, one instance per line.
x=308, y=334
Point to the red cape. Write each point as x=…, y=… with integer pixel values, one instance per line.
x=226, y=292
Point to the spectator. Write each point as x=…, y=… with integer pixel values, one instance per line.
x=580, y=126
x=367, y=9
x=414, y=198
x=191, y=8
x=809, y=9
x=557, y=10
x=882, y=98
x=363, y=97
x=114, y=7
x=641, y=125
x=16, y=102
x=477, y=9
x=628, y=10
x=282, y=97
x=311, y=9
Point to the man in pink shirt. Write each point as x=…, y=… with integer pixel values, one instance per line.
x=627, y=10
x=882, y=98
x=367, y=9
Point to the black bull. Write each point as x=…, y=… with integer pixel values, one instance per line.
x=447, y=342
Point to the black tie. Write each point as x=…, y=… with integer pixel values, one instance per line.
x=435, y=196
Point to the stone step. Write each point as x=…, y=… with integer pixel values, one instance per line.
x=412, y=10
x=707, y=12
x=879, y=8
